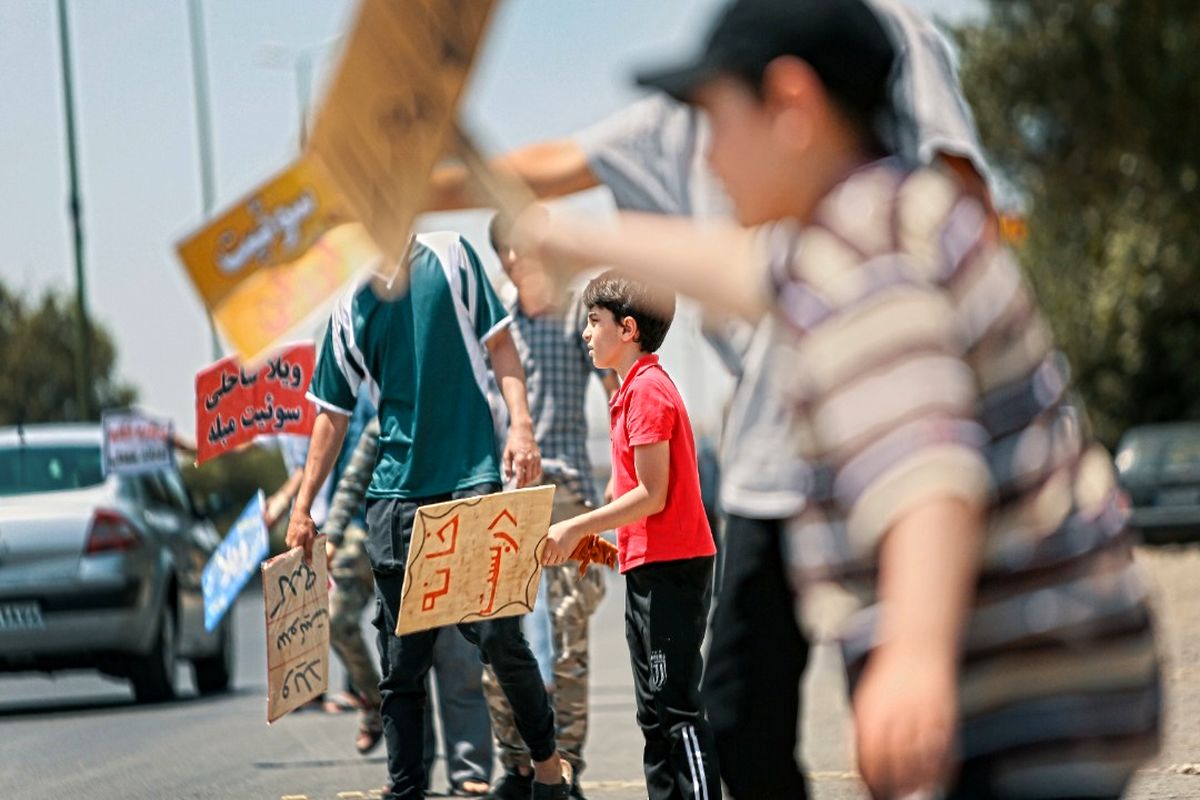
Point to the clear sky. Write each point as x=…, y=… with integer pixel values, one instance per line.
x=547, y=68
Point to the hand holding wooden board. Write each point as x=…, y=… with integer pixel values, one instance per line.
x=475, y=559
x=296, y=597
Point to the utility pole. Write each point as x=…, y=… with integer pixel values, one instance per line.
x=83, y=360
x=301, y=62
x=203, y=132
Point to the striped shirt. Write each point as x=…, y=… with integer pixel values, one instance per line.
x=926, y=371
x=557, y=371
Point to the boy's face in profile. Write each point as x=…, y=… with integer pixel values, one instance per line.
x=604, y=337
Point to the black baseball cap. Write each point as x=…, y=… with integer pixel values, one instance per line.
x=842, y=40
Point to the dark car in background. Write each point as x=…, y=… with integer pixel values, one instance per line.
x=1158, y=467
x=102, y=571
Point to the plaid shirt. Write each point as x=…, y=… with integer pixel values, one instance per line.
x=557, y=370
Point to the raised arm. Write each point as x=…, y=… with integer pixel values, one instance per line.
x=550, y=169
x=718, y=263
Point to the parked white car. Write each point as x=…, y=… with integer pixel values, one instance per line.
x=102, y=572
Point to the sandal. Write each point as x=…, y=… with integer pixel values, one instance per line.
x=370, y=732
x=341, y=703
x=470, y=788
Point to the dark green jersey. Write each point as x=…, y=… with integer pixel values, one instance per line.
x=422, y=355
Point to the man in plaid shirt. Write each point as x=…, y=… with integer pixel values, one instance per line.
x=557, y=372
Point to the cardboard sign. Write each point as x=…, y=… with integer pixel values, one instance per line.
x=232, y=564
x=475, y=559
x=388, y=114
x=233, y=406
x=135, y=442
x=296, y=598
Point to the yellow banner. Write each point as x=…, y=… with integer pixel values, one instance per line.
x=271, y=303
x=275, y=224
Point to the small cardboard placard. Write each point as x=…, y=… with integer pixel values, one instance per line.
x=475, y=559
x=135, y=442
x=296, y=598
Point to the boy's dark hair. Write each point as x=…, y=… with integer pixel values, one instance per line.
x=653, y=309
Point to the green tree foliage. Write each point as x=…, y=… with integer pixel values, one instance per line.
x=1092, y=108
x=37, y=362
x=225, y=485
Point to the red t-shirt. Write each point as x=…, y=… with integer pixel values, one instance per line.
x=645, y=410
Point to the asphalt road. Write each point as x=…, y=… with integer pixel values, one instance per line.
x=79, y=735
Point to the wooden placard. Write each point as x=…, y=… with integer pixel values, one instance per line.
x=387, y=117
x=475, y=559
x=296, y=597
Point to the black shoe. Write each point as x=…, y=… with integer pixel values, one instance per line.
x=513, y=786
x=555, y=791
x=576, y=791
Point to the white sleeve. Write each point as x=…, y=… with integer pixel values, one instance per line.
x=932, y=115
x=640, y=154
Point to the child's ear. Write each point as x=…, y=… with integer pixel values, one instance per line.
x=629, y=329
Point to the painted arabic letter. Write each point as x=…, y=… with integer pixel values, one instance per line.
x=431, y=597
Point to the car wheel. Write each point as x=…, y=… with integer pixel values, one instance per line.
x=153, y=675
x=214, y=673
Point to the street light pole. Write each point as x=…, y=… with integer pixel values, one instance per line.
x=83, y=361
x=203, y=132
x=304, y=67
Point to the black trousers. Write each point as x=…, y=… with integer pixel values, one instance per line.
x=406, y=660
x=756, y=660
x=666, y=613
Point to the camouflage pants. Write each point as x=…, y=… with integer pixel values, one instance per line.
x=572, y=601
x=354, y=587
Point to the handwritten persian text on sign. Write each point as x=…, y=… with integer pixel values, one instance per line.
x=474, y=559
x=233, y=406
x=244, y=548
x=135, y=443
x=296, y=596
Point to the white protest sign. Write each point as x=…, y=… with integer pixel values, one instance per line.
x=135, y=442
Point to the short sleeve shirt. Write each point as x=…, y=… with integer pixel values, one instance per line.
x=647, y=409
x=651, y=156
x=421, y=356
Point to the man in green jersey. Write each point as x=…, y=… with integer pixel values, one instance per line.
x=423, y=358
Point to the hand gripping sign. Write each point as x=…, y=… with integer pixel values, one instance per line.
x=275, y=259
x=475, y=559
x=296, y=599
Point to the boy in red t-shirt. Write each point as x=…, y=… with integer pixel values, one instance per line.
x=665, y=545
